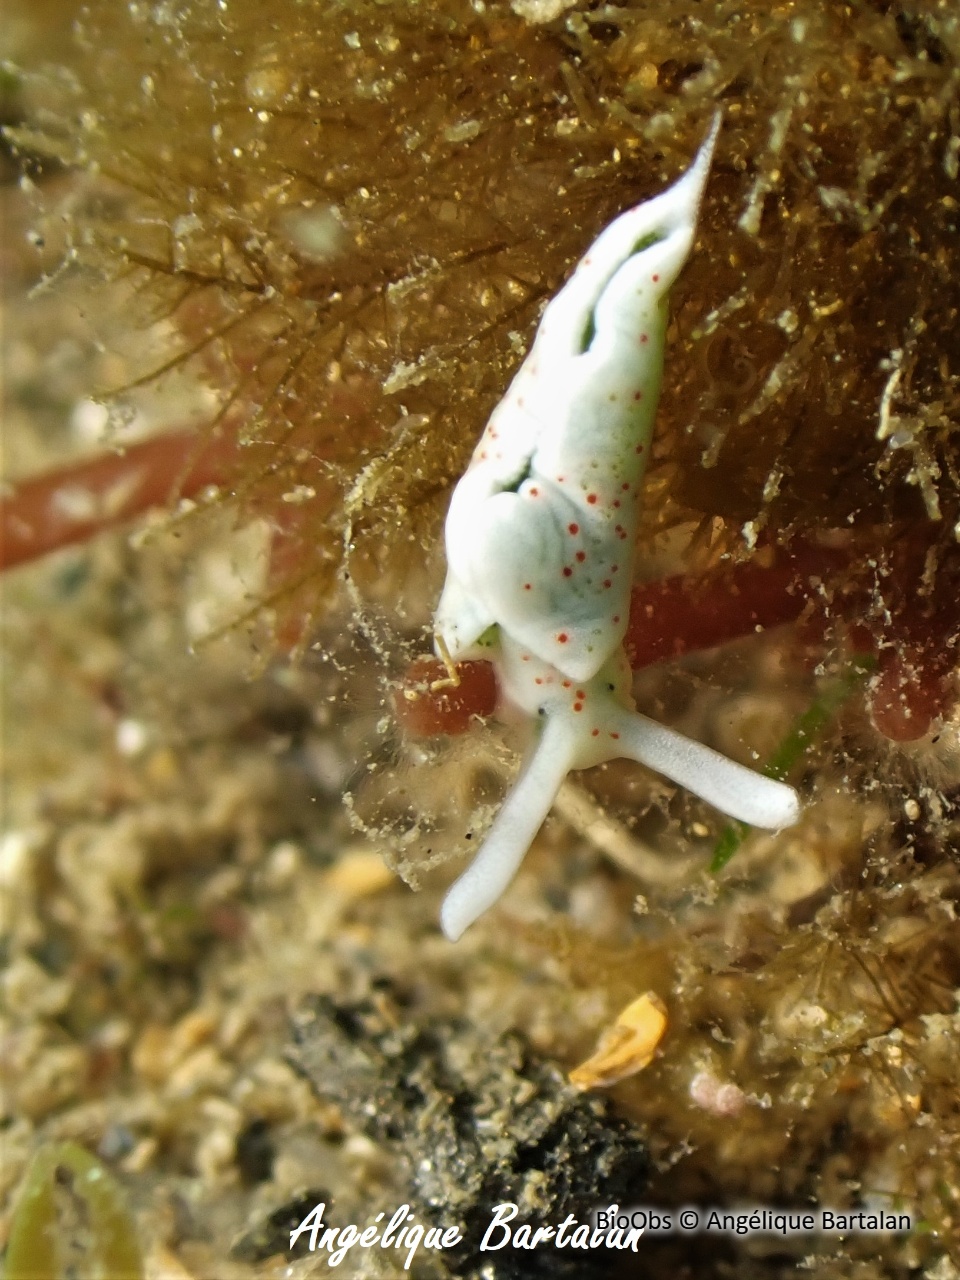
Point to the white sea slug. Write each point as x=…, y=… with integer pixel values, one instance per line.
x=540, y=536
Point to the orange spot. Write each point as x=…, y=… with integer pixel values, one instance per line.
x=562, y=638
x=527, y=586
x=591, y=498
x=654, y=279
x=537, y=680
x=534, y=493
x=615, y=737
x=581, y=694
x=578, y=706
x=566, y=684
x=594, y=733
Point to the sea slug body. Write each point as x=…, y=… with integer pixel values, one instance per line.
x=540, y=535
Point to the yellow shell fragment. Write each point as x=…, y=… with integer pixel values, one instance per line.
x=626, y=1047
x=358, y=873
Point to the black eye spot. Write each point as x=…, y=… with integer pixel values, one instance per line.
x=611, y=687
x=541, y=711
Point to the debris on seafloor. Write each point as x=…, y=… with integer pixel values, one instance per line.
x=499, y=1123
x=627, y=1046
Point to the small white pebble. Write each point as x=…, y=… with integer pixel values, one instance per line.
x=462, y=132
x=131, y=737
x=88, y=421
x=299, y=493
x=15, y=850
x=282, y=865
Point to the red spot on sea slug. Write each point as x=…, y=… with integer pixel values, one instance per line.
x=591, y=498
x=562, y=638
x=578, y=706
x=643, y=338
x=594, y=733
x=638, y=395
x=567, y=571
x=573, y=528
x=654, y=279
x=581, y=556
x=615, y=736
x=527, y=586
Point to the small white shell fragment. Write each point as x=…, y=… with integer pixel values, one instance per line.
x=718, y=1097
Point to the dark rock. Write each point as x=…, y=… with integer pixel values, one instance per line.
x=473, y=1123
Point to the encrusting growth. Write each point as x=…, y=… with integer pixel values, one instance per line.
x=540, y=536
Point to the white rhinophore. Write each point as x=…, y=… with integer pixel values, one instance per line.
x=540, y=536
